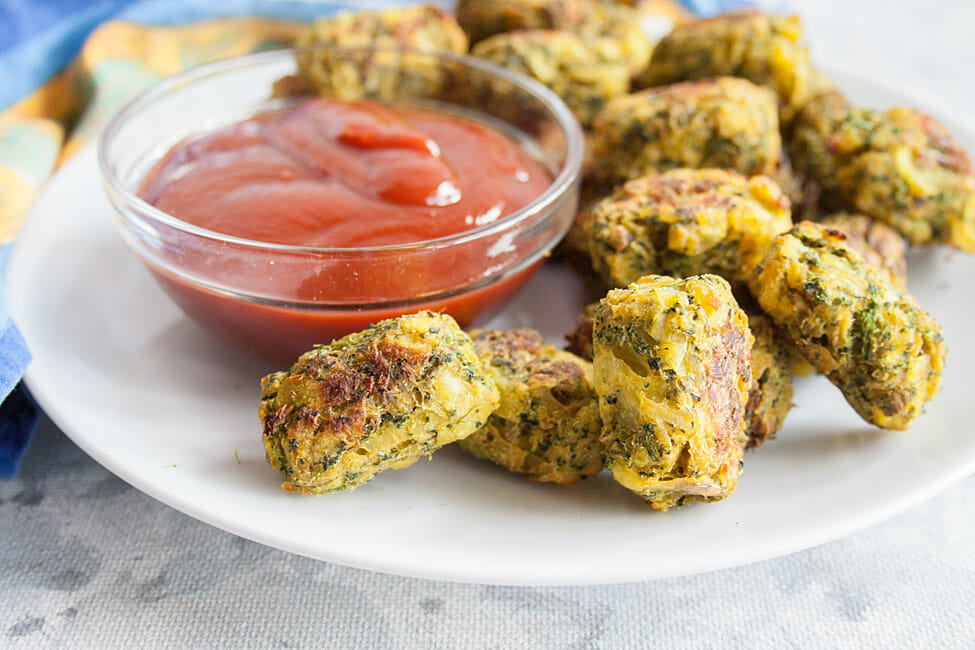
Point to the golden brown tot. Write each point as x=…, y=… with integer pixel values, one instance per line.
x=763, y=48
x=585, y=74
x=773, y=360
x=374, y=400
x=874, y=342
x=422, y=27
x=353, y=75
x=482, y=19
x=724, y=123
x=592, y=20
x=686, y=222
x=903, y=168
x=671, y=368
x=547, y=426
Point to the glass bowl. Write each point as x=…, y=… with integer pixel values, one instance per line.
x=279, y=300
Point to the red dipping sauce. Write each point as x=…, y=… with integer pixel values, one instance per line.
x=347, y=176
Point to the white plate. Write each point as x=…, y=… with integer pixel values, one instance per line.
x=173, y=411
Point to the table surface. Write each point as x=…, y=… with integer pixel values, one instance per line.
x=87, y=561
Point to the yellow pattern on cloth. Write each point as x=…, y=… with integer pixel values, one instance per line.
x=118, y=60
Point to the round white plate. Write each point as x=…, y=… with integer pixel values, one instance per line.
x=173, y=411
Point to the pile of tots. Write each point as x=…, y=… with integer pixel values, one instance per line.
x=745, y=219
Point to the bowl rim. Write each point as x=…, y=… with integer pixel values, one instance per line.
x=561, y=183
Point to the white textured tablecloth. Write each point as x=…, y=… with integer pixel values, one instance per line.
x=86, y=561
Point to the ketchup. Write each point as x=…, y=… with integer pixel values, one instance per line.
x=346, y=174
x=337, y=174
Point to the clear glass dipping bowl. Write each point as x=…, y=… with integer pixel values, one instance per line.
x=279, y=300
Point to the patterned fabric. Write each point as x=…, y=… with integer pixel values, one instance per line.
x=65, y=72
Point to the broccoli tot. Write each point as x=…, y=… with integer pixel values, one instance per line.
x=685, y=222
x=899, y=167
x=374, y=400
x=593, y=20
x=903, y=168
x=423, y=28
x=671, y=368
x=482, y=19
x=387, y=75
x=762, y=48
x=725, y=123
x=585, y=74
x=773, y=359
x=547, y=426
x=870, y=339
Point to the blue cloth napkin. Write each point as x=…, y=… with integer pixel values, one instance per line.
x=39, y=39
x=17, y=412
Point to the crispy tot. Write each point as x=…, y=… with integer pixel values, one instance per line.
x=387, y=75
x=762, y=48
x=671, y=368
x=585, y=74
x=374, y=400
x=547, y=426
x=904, y=169
x=724, y=123
x=873, y=341
x=422, y=27
x=685, y=222
x=773, y=361
x=482, y=19
x=592, y=20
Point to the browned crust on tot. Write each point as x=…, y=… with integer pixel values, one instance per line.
x=580, y=339
x=730, y=362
